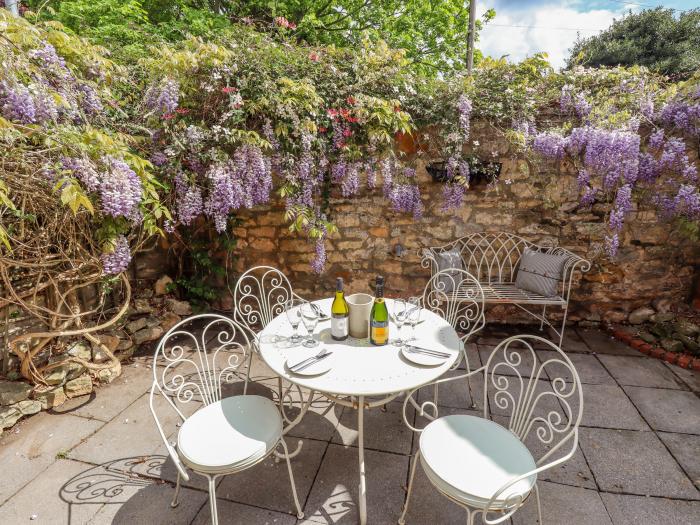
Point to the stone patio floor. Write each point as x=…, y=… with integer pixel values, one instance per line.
x=100, y=460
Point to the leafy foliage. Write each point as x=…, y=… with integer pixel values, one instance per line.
x=657, y=38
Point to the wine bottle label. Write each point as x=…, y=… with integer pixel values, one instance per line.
x=379, y=332
x=339, y=326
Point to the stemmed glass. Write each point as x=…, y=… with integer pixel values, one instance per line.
x=293, y=310
x=400, y=310
x=309, y=316
x=413, y=314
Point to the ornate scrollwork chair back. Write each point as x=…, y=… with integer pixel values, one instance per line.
x=196, y=357
x=260, y=294
x=541, y=395
x=456, y=296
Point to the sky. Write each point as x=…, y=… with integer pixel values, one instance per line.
x=552, y=25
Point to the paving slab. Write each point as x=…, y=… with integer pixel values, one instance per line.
x=457, y=393
x=267, y=484
x=667, y=410
x=108, y=400
x=607, y=406
x=427, y=505
x=384, y=429
x=32, y=445
x=638, y=510
x=690, y=377
x=333, y=499
x=236, y=513
x=41, y=498
x=150, y=504
x=626, y=461
x=132, y=433
x=572, y=342
x=562, y=504
x=600, y=342
x=588, y=367
x=686, y=449
x=641, y=371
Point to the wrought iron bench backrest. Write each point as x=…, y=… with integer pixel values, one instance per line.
x=494, y=257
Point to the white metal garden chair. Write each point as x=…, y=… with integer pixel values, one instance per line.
x=485, y=467
x=456, y=295
x=259, y=296
x=192, y=362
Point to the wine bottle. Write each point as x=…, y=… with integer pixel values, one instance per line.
x=379, y=317
x=339, y=313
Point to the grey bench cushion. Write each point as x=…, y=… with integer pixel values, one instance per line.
x=540, y=272
x=449, y=260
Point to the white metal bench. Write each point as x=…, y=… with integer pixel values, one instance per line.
x=493, y=259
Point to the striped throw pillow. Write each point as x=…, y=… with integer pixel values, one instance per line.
x=540, y=272
x=449, y=260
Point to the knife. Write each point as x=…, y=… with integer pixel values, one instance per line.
x=314, y=360
x=428, y=351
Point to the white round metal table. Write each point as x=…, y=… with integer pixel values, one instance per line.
x=357, y=370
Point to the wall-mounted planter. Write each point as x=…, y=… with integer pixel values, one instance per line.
x=479, y=171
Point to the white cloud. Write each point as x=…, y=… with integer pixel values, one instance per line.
x=548, y=34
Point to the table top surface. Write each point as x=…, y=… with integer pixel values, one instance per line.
x=358, y=368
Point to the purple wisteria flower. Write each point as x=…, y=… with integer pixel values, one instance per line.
x=158, y=158
x=118, y=260
x=242, y=182
x=549, y=144
x=120, y=189
x=318, y=263
x=163, y=97
x=464, y=107
x=612, y=244
x=17, y=103
x=90, y=100
x=351, y=183
x=189, y=200
x=406, y=198
x=452, y=196
x=83, y=170
x=687, y=201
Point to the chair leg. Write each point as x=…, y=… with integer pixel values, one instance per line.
x=247, y=373
x=402, y=519
x=544, y=312
x=212, y=500
x=469, y=371
x=539, y=507
x=300, y=514
x=174, y=503
x=563, y=325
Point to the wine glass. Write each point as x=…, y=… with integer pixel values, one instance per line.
x=309, y=316
x=293, y=310
x=414, y=314
x=400, y=309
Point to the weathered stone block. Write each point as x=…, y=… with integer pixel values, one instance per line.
x=28, y=407
x=49, y=397
x=12, y=392
x=79, y=386
x=9, y=416
x=148, y=334
x=178, y=307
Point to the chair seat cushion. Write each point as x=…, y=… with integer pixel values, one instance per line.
x=469, y=458
x=230, y=434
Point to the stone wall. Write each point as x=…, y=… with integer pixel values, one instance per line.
x=539, y=203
